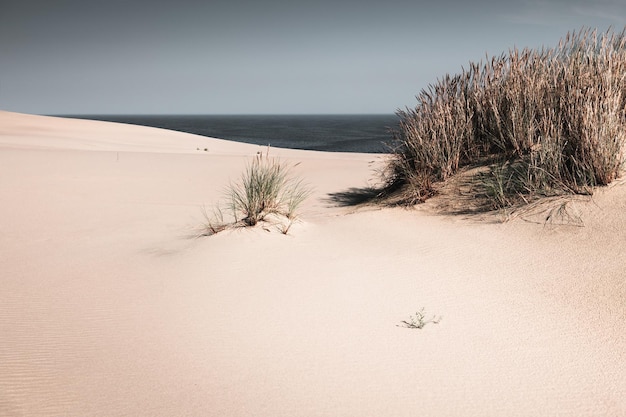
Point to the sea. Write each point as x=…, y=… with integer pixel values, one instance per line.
x=333, y=133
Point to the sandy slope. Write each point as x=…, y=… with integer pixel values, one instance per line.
x=110, y=306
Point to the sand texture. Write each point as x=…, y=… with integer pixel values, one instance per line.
x=111, y=305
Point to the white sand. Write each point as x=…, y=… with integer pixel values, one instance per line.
x=110, y=306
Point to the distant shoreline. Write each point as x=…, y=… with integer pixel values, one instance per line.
x=360, y=133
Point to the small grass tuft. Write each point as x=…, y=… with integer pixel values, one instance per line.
x=213, y=223
x=419, y=321
x=266, y=188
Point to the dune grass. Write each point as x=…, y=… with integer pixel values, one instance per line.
x=265, y=188
x=546, y=122
x=419, y=321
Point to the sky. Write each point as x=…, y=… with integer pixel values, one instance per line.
x=261, y=57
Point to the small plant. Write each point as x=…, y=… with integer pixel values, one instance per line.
x=419, y=321
x=213, y=223
x=266, y=188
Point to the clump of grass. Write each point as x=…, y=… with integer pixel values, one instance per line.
x=548, y=122
x=265, y=189
x=419, y=321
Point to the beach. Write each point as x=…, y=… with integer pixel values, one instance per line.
x=114, y=304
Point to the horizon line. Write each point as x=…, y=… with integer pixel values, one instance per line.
x=215, y=114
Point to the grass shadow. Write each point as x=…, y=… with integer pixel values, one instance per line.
x=468, y=195
x=355, y=196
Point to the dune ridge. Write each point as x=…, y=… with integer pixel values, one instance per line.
x=112, y=306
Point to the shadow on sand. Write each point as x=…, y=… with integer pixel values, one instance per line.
x=355, y=197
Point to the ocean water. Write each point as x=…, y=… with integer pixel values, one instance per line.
x=335, y=133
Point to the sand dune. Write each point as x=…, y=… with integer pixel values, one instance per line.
x=112, y=306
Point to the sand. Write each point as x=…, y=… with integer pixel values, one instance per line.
x=111, y=305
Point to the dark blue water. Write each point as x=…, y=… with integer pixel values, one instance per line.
x=335, y=133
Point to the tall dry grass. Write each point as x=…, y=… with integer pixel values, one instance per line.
x=547, y=121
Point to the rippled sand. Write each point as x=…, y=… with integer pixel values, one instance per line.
x=112, y=306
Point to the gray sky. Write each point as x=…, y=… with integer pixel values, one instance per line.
x=261, y=57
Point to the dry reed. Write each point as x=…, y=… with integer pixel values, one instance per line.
x=548, y=122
